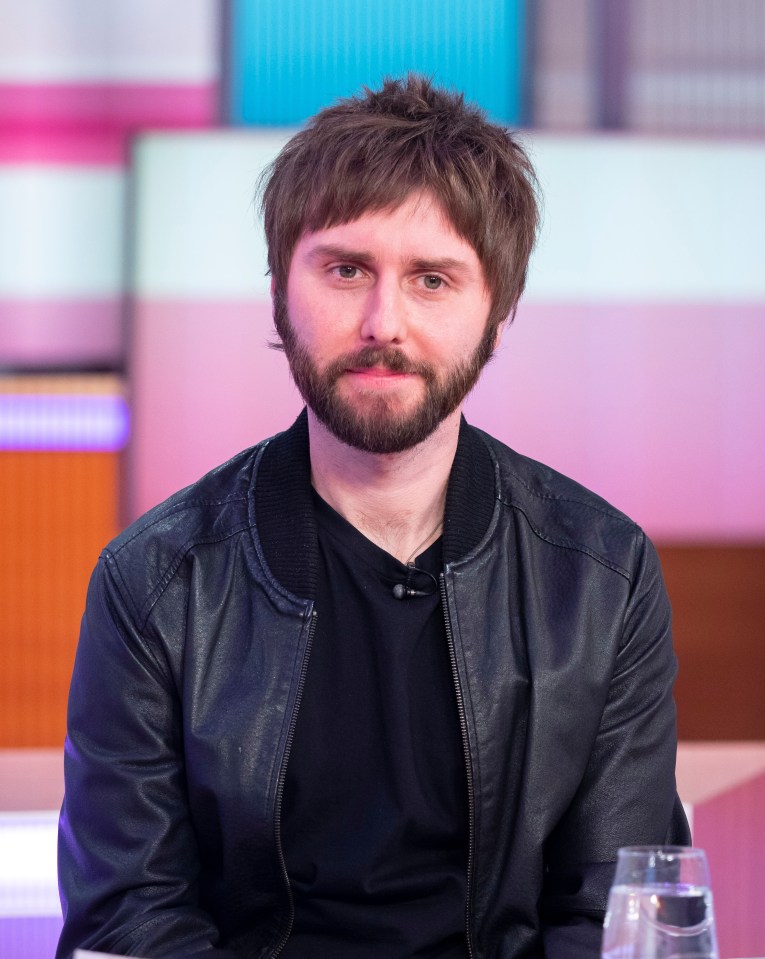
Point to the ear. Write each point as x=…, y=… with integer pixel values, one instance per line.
x=498, y=334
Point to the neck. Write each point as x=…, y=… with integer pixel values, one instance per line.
x=396, y=500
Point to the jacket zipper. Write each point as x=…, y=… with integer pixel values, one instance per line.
x=280, y=784
x=468, y=766
x=468, y=770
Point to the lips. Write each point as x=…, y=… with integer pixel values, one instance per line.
x=379, y=361
x=380, y=371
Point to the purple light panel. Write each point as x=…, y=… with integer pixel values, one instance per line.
x=30, y=913
x=96, y=423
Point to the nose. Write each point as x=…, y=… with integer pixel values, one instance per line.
x=384, y=319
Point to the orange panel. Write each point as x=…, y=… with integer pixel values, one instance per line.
x=57, y=510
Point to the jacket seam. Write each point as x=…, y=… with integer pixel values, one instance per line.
x=186, y=505
x=503, y=457
x=567, y=544
x=610, y=513
x=127, y=937
x=120, y=583
x=146, y=646
x=143, y=613
x=630, y=614
x=605, y=510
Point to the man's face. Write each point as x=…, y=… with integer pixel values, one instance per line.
x=384, y=325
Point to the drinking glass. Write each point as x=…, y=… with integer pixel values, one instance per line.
x=660, y=906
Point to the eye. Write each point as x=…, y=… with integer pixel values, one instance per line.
x=432, y=282
x=347, y=272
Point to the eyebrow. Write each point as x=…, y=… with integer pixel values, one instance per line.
x=330, y=251
x=446, y=264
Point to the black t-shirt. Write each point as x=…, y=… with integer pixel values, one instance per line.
x=374, y=815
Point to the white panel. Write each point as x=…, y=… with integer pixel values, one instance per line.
x=28, y=885
x=197, y=230
x=688, y=810
x=61, y=232
x=624, y=219
x=87, y=954
x=642, y=220
x=142, y=40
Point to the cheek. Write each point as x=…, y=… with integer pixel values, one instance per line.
x=453, y=342
x=329, y=322
x=319, y=332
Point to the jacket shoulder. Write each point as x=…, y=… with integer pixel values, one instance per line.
x=146, y=554
x=564, y=513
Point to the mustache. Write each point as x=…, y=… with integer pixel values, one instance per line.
x=390, y=358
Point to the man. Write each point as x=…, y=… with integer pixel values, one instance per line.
x=379, y=686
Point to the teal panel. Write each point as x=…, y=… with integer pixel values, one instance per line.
x=289, y=58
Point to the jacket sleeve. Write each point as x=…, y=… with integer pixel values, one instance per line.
x=627, y=795
x=127, y=855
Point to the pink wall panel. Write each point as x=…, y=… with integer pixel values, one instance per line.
x=106, y=106
x=660, y=408
x=58, y=332
x=729, y=828
x=205, y=385
x=92, y=123
x=65, y=147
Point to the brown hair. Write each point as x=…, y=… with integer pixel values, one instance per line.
x=370, y=152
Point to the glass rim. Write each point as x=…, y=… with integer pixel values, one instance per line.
x=661, y=850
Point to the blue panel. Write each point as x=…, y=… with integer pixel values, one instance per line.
x=289, y=58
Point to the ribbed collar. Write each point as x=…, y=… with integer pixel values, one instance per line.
x=285, y=518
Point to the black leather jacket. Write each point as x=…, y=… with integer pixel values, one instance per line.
x=188, y=678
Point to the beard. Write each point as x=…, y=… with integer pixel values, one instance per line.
x=378, y=426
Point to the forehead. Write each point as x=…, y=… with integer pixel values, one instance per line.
x=417, y=226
